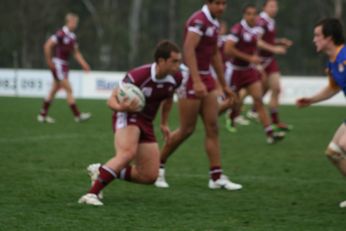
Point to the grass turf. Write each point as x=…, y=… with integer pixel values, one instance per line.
x=287, y=186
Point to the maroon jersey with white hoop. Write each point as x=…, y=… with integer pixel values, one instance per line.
x=155, y=90
x=66, y=43
x=202, y=23
x=269, y=32
x=245, y=39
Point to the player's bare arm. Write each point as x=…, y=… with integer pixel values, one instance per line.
x=48, y=48
x=231, y=50
x=217, y=63
x=284, y=41
x=166, y=107
x=126, y=106
x=324, y=94
x=190, y=44
x=276, y=49
x=80, y=59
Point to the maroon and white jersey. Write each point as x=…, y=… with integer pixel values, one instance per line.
x=202, y=23
x=245, y=39
x=66, y=43
x=221, y=45
x=269, y=32
x=155, y=90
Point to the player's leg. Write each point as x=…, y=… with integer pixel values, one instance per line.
x=336, y=152
x=188, y=114
x=72, y=103
x=58, y=75
x=43, y=116
x=233, y=113
x=209, y=115
x=146, y=165
x=255, y=90
x=126, y=145
x=275, y=87
x=240, y=119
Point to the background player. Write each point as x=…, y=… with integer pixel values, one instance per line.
x=242, y=47
x=134, y=134
x=270, y=66
x=198, y=95
x=57, y=51
x=329, y=39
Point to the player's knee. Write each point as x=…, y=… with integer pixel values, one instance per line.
x=335, y=152
x=187, y=131
x=258, y=102
x=128, y=150
x=149, y=177
x=276, y=91
x=212, y=129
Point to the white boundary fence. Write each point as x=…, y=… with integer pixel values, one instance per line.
x=98, y=85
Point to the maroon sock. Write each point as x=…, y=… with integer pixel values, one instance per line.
x=234, y=114
x=105, y=177
x=269, y=130
x=162, y=164
x=45, y=107
x=75, y=110
x=125, y=174
x=274, y=115
x=215, y=172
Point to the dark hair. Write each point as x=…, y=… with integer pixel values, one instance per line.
x=164, y=49
x=267, y=1
x=332, y=27
x=247, y=6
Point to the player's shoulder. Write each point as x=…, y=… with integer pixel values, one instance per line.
x=197, y=18
x=60, y=32
x=260, y=21
x=236, y=28
x=342, y=53
x=139, y=74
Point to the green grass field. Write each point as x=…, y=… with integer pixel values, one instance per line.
x=287, y=186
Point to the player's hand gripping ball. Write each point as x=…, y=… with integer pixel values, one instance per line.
x=130, y=92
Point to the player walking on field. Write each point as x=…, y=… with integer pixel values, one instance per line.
x=198, y=95
x=134, y=138
x=57, y=51
x=241, y=45
x=329, y=39
x=271, y=69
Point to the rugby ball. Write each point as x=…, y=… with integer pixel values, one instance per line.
x=130, y=91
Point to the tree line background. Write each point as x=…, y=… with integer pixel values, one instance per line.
x=120, y=34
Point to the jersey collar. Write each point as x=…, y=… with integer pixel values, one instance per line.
x=267, y=17
x=207, y=13
x=166, y=79
x=68, y=32
x=253, y=30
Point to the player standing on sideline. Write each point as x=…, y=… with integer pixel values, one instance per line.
x=57, y=51
x=198, y=95
x=134, y=138
x=241, y=45
x=271, y=69
x=329, y=39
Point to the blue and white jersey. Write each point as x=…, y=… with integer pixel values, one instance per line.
x=337, y=70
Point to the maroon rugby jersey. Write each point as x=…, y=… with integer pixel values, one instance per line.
x=202, y=23
x=245, y=39
x=269, y=32
x=155, y=90
x=66, y=43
